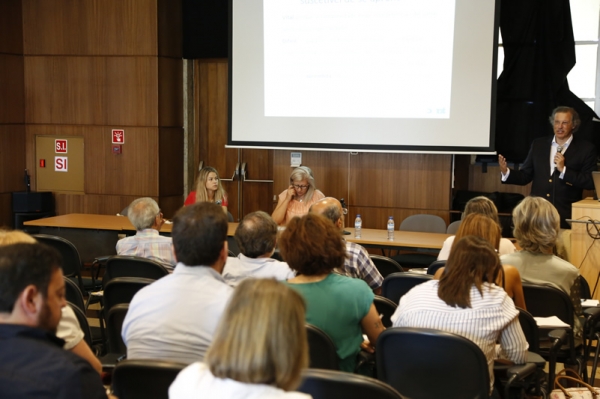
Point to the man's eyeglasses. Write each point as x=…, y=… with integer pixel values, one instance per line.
x=299, y=187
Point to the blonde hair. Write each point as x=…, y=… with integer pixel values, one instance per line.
x=8, y=237
x=482, y=205
x=537, y=224
x=304, y=173
x=477, y=224
x=261, y=338
x=201, y=192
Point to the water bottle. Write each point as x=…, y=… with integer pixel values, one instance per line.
x=390, y=227
x=357, y=226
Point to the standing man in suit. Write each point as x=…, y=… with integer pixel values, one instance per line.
x=560, y=166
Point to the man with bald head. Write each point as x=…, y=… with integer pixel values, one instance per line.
x=358, y=264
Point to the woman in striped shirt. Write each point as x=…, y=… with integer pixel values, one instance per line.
x=465, y=301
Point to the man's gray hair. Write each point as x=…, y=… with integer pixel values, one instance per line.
x=142, y=212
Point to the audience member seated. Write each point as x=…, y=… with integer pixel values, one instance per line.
x=259, y=349
x=145, y=215
x=175, y=317
x=476, y=224
x=339, y=305
x=33, y=363
x=298, y=197
x=484, y=206
x=466, y=302
x=256, y=236
x=208, y=189
x=536, y=228
x=68, y=328
x=358, y=264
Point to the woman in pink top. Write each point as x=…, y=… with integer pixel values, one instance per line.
x=298, y=197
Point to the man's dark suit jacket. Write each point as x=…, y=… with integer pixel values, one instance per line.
x=580, y=160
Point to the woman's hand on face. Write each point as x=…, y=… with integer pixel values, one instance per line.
x=291, y=193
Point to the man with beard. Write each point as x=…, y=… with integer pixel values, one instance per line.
x=32, y=361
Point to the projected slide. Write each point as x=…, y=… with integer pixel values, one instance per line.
x=314, y=53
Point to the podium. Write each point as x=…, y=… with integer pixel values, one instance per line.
x=585, y=250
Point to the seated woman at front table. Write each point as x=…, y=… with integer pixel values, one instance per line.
x=208, y=189
x=339, y=305
x=465, y=301
x=298, y=197
x=483, y=206
x=259, y=349
x=479, y=225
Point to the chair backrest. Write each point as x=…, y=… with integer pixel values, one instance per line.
x=142, y=379
x=71, y=265
x=546, y=301
x=133, y=266
x=435, y=266
x=530, y=330
x=325, y=384
x=321, y=349
x=73, y=294
x=385, y=308
x=114, y=325
x=386, y=265
x=585, y=288
x=83, y=323
x=397, y=284
x=122, y=290
x=424, y=223
x=423, y=363
x=453, y=227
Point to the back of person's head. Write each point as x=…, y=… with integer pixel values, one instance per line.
x=199, y=234
x=256, y=235
x=304, y=173
x=476, y=224
x=536, y=225
x=482, y=205
x=328, y=207
x=472, y=262
x=261, y=338
x=312, y=245
x=22, y=265
x=8, y=237
x=142, y=213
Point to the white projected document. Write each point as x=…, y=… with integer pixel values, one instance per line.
x=342, y=58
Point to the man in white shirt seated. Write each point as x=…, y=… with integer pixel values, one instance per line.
x=145, y=215
x=256, y=235
x=359, y=263
x=175, y=317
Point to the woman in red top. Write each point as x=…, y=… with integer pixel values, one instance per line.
x=208, y=189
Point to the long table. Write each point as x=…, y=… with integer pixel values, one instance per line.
x=97, y=235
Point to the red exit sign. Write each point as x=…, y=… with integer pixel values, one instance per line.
x=60, y=146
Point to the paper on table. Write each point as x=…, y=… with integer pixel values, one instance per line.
x=590, y=303
x=551, y=321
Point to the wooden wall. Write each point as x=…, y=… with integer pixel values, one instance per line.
x=12, y=107
x=83, y=68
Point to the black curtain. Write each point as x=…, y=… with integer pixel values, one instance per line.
x=539, y=51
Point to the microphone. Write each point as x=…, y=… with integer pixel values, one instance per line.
x=218, y=202
x=559, y=149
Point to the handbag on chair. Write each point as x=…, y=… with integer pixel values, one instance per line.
x=585, y=391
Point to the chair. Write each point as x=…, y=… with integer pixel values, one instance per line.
x=122, y=290
x=385, y=265
x=73, y=294
x=133, y=266
x=142, y=379
x=435, y=266
x=83, y=323
x=325, y=384
x=397, y=284
x=114, y=326
x=453, y=227
x=385, y=308
x=585, y=288
x=532, y=335
x=321, y=349
x=421, y=223
x=423, y=363
x=71, y=261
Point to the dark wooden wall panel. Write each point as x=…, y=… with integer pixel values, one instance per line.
x=12, y=158
x=170, y=92
x=490, y=181
x=170, y=165
x=170, y=29
x=12, y=100
x=6, y=215
x=122, y=91
x=91, y=27
x=11, y=27
x=100, y=204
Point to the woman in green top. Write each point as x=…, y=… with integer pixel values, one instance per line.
x=341, y=306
